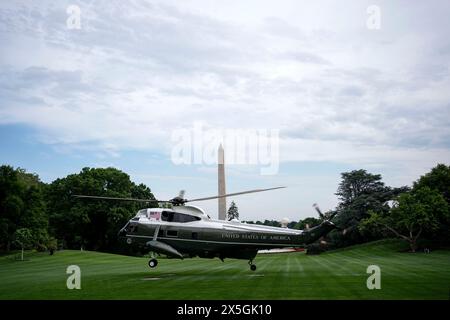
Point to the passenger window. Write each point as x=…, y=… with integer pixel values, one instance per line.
x=194, y=235
x=178, y=217
x=167, y=216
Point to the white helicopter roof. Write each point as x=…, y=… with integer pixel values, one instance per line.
x=191, y=210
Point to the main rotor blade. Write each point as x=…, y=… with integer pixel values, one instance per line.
x=233, y=194
x=112, y=198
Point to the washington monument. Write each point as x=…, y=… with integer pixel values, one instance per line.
x=221, y=181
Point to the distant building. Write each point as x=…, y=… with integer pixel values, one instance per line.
x=284, y=222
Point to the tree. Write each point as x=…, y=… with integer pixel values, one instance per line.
x=22, y=205
x=359, y=193
x=414, y=213
x=233, y=212
x=24, y=238
x=292, y=224
x=34, y=216
x=52, y=244
x=307, y=223
x=357, y=183
x=11, y=205
x=438, y=178
x=90, y=223
x=272, y=223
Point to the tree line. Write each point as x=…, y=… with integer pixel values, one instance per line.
x=46, y=216
x=369, y=210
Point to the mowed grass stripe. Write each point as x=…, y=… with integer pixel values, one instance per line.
x=402, y=272
x=335, y=275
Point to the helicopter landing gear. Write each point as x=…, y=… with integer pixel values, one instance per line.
x=252, y=266
x=152, y=263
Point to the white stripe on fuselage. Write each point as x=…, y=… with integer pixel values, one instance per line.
x=223, y=225
x=220, y=242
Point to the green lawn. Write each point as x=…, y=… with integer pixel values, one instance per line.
x=334, y=275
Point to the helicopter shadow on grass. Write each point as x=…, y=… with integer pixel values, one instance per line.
x=190, y=275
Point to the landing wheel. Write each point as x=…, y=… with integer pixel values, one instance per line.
x=252, y=266
x=153, y=263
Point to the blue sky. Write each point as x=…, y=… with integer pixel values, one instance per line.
x=341, y=95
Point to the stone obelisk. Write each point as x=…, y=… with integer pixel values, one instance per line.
x=221, y=180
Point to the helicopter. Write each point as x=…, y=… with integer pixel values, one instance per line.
x=186, y=231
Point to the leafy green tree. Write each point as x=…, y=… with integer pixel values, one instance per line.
x=233, y=212
x=414, y=213
x=359, y=193
x=52, y=244
x=10, y=205
x=438, y=178
x=307, y=223
x=34, y=216
x=22, y=205
x=292, y=224
x=93, y=223
x=357, y=183
x=272, y=223
x=24, y=238
x=28, y=179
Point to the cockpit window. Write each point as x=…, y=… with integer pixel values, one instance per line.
x=170, y=216
x=142, y=213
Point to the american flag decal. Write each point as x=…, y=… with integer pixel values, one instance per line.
x=155, y=215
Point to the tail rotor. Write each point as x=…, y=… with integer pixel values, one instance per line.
x=327, y=216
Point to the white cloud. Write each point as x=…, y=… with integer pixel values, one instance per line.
x=336, y=90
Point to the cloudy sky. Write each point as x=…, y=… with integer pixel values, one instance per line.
x=342, y=93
